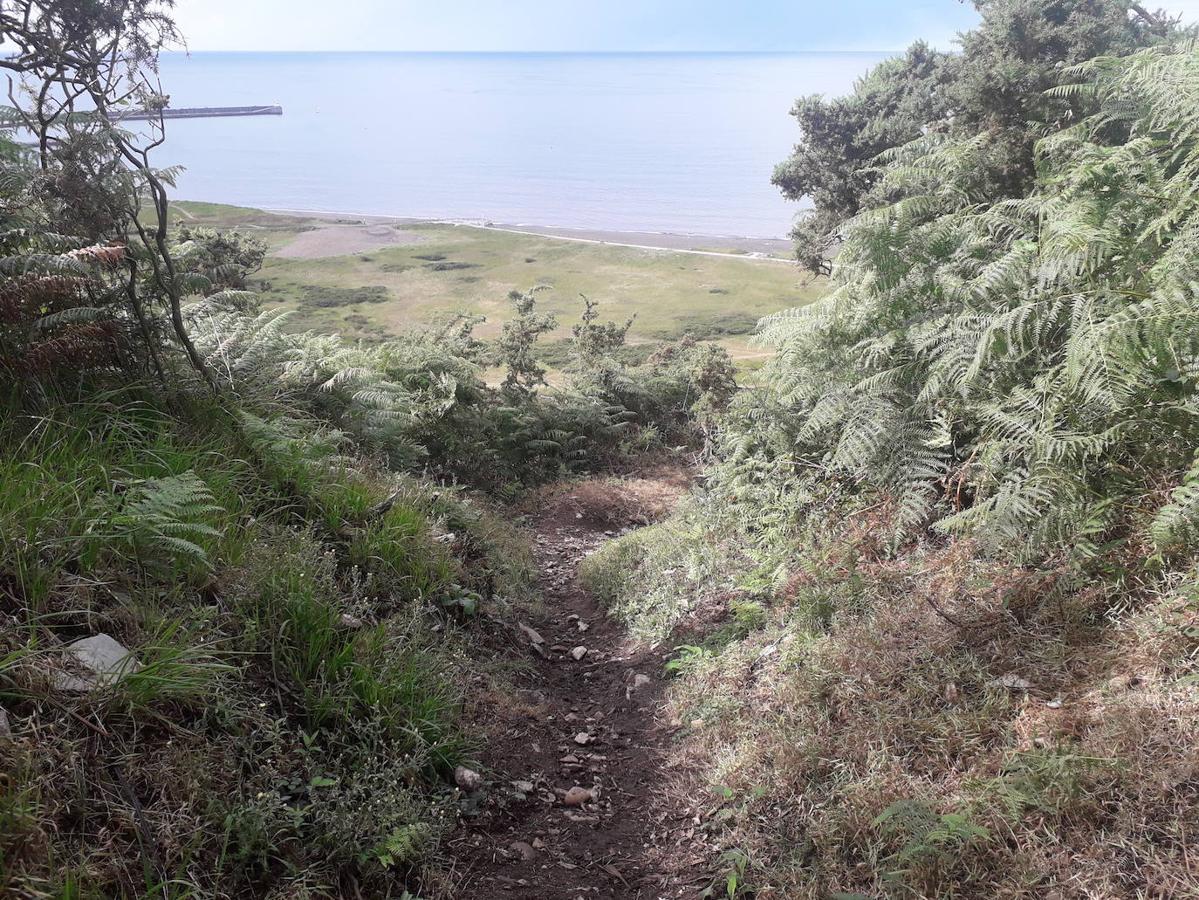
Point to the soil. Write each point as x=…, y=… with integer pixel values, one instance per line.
x=342, y=240
x=588, y=723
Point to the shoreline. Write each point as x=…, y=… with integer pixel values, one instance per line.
x=754, y=249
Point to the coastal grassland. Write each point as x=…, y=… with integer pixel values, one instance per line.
x=438, y=269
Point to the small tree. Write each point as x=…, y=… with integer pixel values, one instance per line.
x=517, y=339
x=225, y=258
x=594, y=343
x=81, y=67
x=998, y=85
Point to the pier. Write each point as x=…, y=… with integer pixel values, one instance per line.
x=198, y=112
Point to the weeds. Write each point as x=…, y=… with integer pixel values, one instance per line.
x=157, y=522
x=322, y=297
x=267, y=584
x=928, y=840
x=172, y=670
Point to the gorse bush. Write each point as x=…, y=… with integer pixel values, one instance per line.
x=420, y=400
x=997, y=83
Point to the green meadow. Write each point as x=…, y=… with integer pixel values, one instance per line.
x=436, y=269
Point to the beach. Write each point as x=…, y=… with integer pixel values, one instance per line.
x=353, y=233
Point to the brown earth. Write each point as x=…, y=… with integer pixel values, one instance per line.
x=589, y=724
x=342, y=240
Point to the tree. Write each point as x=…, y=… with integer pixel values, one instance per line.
x=225, y=258
x=833, y=163
x=593, y=345
x=80, y=66
x=517, y=339
x=995, y=87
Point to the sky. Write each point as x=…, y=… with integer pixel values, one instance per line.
x=570, y=25
x=580, y=25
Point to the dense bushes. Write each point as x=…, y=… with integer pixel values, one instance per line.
x=1020, y=371
x=997, y=84
x=296, y=701
x=421, y=400
x=935, y=604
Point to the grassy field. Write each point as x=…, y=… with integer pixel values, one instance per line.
x=439, y=268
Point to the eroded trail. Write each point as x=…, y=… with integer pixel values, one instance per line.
x=580, y=800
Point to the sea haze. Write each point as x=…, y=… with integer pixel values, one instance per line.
x=657, y=142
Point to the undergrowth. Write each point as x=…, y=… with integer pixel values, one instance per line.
x=924, y=723
x=934, y=610
x=297, y=621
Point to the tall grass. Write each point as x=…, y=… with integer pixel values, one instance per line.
x=279, y=595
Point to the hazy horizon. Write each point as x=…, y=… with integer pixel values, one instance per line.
x=680, y=142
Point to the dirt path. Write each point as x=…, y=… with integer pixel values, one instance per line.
x=589, y=729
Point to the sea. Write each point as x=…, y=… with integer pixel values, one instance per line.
x=679, y=143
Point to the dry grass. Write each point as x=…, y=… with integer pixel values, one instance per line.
x=619, y=501
x=936, y=724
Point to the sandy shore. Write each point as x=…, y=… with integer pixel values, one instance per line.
x=351, y=233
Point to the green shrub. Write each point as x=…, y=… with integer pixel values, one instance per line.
x=398, y=556
x=157, y=522
x=927, y=842
x=325, y=297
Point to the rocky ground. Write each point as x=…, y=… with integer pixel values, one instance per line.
x=576, y=798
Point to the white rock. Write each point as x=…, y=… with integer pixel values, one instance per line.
x=578, y=652
x=1012, y=682
x=467, y=779
x=583, y=738
x=104, y=660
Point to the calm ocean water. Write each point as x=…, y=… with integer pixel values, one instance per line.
x=632, y=142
